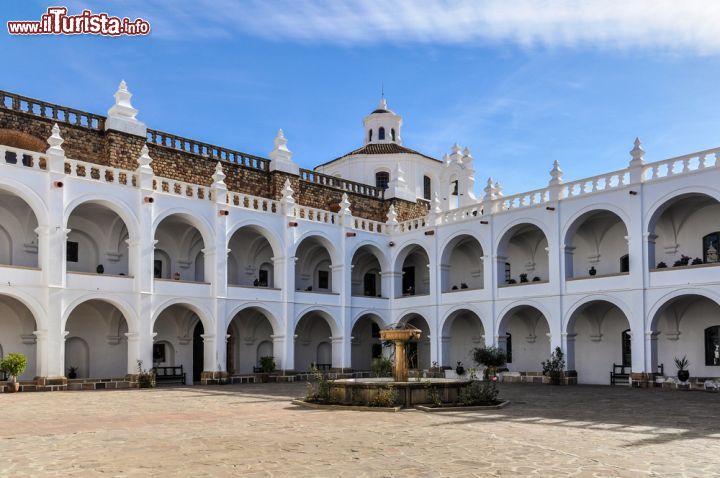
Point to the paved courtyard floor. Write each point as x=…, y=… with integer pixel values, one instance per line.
x=252, y=430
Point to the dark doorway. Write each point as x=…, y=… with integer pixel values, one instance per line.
x=369, y=284
x=198, y=355
x=626, y=348
x=408, y=281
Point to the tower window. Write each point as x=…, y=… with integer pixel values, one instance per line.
x=323, y=279
x=392, y=134
x=369, y=135
x=625, y=263
x=427, y=187
x=455, y=185
x=382, y=178
x=381, y=133
x=71, y=254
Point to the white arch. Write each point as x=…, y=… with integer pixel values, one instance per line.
x=522, y=303
x=376, y=250
x=198, y=222
x=503, y=237
x=124, y=307
x=444, y=254
x=203, y=314
x=595, y=207
x=654, y=311
x=276, y=243
x=335, y=327
x=580, y=303
x=405, y=250
x=323, y=239
x=260, y=306
x=375, y=313
x=31, y=303
x=445, y=324
x=652, y=212
x=118, y=207
x=31, y=198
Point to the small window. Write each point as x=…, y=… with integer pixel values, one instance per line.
x=712, y=346
x=323, y=279
x=626, y=348
x=381, y=133
x=369, y=135
x=72, y=251
x=392, y=134
x=382, y=179
x=711, y=245
x=157, y=269
x=369, y=285
x=427, y=188
x=508, y=273
x=508, y=347
x=455, y=186
x=625, y=263
x=158, y=353
x=263, y=278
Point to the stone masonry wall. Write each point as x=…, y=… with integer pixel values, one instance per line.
x=121, y=150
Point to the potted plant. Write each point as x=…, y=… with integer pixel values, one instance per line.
x=491, y=358
x=14, y=364
x=554, y=367
x=523, y=278
x=683, y=374
x=460, y=370
x=697, y=261
x=267, y=366
x=72, y=372
x=592, y=271
x=661, y=265
x=536, y=279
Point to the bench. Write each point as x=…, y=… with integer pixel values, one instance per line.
x=169, y=374
x=323, y=367
x=619, y=374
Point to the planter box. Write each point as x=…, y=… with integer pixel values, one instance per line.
x=357, y=408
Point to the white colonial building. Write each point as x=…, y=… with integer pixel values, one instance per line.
x=109, y=259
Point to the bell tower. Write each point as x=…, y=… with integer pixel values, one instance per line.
x=382, y=125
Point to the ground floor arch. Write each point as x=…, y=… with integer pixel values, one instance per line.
x=313, y=341
x=180, y=337
x=96, y=343
x=250, y=337
x=17, y=325
x=524, y=333
x=365, y=341
x=462, y=332
x=687, y=326
x=418, y=353
x=598, y=336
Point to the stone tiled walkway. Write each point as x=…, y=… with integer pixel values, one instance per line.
x=252, y=430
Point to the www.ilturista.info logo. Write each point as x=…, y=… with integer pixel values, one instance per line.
x=57, y=22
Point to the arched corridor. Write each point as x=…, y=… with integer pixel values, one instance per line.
x=413, y=263
x=524, y=335
x=179, y=341
x=596, y=245
x=179, y=252
x=367, y=272
x=17, y=325
x=250, y=338
x=462, y=332
x=250, y=261
x=313, y=342
x=366, y=344
x=18, y=236
x=418, y=352
x=523, y=255
x=461, y=266
x=313, y=269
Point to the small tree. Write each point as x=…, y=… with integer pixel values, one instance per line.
x=381, y=366
x=555, y=366
x=490, y=357
x=14, y=364
x=267, y=364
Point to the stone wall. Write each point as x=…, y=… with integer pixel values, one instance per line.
x=121, y=150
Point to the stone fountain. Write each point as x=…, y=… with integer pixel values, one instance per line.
x=411, y=391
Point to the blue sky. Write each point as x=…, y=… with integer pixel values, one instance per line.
x=521, y=83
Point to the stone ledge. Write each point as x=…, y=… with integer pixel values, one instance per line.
x=355, y=408
x=425, y=408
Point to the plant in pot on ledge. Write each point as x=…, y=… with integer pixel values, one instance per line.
x=490, y=357
x=554, y=367
x=72, y=372
x=267, y=366
x=683, y=374
x=14, y=365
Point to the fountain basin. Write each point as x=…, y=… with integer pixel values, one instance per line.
x=417, y=391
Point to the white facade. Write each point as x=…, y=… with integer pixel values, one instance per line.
x=213, y=309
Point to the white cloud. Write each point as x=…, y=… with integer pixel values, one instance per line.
x=674, y=25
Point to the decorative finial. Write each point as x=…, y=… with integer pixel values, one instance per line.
x=392, y=216
x=498, y=189
x=280, y=141
x=489, y=190
x=287, y=200
x=55, y=141
x=436, y=205
x=144, y=160
x=219, y=175
x=637, y=153
x=122, y=107
x=556, y=174
x=456, y=148
x=345, y=205
x=383, y=104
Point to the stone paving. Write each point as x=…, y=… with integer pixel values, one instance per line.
x=252, y=430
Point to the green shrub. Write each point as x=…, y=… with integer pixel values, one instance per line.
x=434, y=395
x=384, y=397
x=318, y=388
x=146, y=378
x=491, y=357
x=555, y=366
x=478, y=394
x=14, y=364
x=381, y=366
x=267, y=364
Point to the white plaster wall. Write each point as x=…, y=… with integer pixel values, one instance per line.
x=682, y=226
x=598, y=344
x=527, y=253
x=176, y=326
x=690, y=317
x=465, y=265
x=312, y=331
x=182, y=243
x=103, y=329
x=251, y=332
x=251, y=251
x=18, y=240
x=16, y=328
x=530, y=343
x=101, y=236
x=466, y=334
x=362, y=344
x=600, y=242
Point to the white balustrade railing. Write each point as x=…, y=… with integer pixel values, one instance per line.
x=368, y=225
x=316, y=215
x=603, y=182
x=255, y=203
x=180, y=188
x=708, y=158
x=413, y=224
x=97, y=172
x=462, y=214
x=22, y=158
x=530, y=198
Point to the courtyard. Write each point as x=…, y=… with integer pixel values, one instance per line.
x=253, y=430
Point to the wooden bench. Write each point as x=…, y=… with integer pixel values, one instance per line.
x=619, y=374
x=173, y=373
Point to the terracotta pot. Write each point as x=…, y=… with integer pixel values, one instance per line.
x=12, y=387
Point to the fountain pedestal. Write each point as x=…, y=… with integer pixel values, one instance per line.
x=400, y=337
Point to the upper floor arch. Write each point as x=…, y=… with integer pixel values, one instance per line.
x=462, y=263
x=522, y=252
